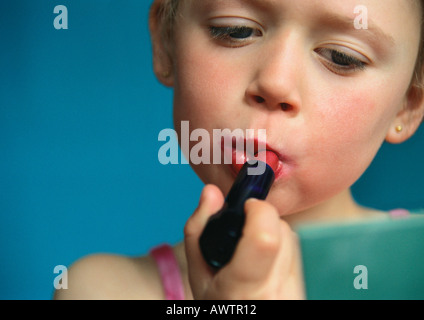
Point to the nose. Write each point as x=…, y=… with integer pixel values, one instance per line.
x=277, y=77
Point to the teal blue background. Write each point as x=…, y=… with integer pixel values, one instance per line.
x=80, y=113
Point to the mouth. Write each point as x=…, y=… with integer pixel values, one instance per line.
x=237, y=151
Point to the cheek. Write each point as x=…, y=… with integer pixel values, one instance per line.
x=358, y=119
x=203, y=91
x=346, y=135
x=205, y=94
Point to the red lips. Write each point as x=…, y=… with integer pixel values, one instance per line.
x=269, y=157
x=239, y=156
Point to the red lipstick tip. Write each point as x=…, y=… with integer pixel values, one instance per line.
x=270, y=158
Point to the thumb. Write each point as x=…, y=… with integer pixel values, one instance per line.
x=211, y=200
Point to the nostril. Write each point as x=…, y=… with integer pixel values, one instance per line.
x=285, y=106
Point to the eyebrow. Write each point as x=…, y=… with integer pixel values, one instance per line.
x=260, y=4
x=373, y=33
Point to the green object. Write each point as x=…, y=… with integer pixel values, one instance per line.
x=379, y=259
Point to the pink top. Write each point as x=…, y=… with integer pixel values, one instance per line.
x=169, y=272
x=399, y=213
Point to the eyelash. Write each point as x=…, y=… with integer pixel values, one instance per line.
x=345, y=64
x=236, y=36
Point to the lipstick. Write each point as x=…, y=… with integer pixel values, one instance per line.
x=224, y=229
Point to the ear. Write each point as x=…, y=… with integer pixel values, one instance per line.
x=409, y=118
x=162, y=61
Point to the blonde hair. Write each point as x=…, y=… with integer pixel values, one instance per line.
x=418, y=77
x=167, y=13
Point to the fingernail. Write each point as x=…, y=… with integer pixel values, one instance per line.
x=251, y=200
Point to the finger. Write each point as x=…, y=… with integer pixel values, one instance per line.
x=259, y=246
x=211, y=200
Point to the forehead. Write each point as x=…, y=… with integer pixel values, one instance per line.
x=411, y=8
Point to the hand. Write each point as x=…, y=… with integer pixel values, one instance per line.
x=265, y=265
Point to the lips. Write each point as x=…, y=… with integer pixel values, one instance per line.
x=269, y=157
x=236, y=156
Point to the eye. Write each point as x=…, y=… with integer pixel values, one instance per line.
x=341, y=62
x=231, y=32
x=234, y=36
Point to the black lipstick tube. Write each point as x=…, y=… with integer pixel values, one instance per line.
x=224, y=229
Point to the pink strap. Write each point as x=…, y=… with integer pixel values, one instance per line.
x=169, y=272
x=399, y=213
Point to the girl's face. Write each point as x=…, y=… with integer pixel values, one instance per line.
x=326, y=79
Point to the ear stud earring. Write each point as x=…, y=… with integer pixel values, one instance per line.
x=399, y=129
x=166, y=74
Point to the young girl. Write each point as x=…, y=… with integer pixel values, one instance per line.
x=330, y=81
